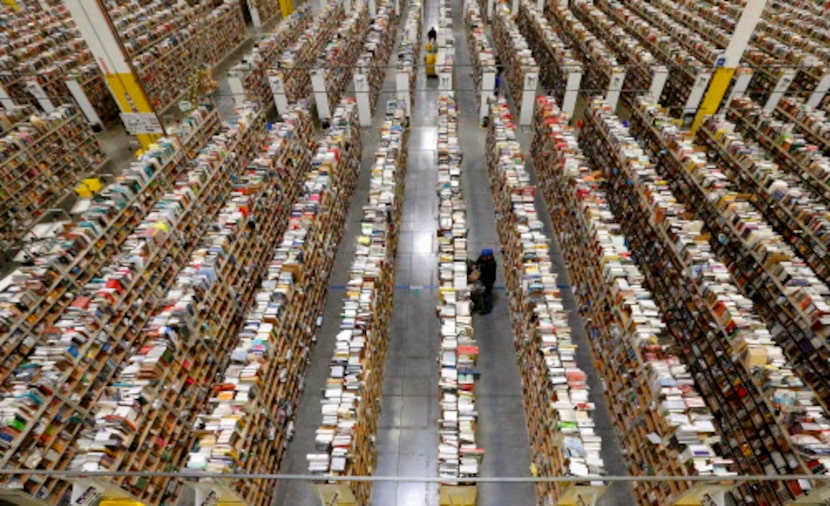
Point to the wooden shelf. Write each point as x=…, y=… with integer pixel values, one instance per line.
x=409, y=48
x=549, y=50
x=633, y=349
x=556, y=393
x=76, y=357
x=377, y=48
x=810, y=122
x=42, y=161
x=253, y=70
x=248, y=420
x=512, y=52
x=747, y=383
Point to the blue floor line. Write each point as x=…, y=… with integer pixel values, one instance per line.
x=433, y=287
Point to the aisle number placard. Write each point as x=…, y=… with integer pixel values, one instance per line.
x=141, y=123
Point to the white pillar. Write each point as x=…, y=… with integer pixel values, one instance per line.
x=743, y=77
x=373, y=9
x=571, y=90
x=83, y=102
x=659, y=76
x=40, y=95
x=615, y=85
x=5, y=99
x=529, y=98
x=236, y=87
x=488, y=86
x=781, y=87
x=514, y=8
x=321, y=97
x=821, y=90
x=402, y=85
x=697, y=91
x=255, y=19
x=489, y=10
x=361, y=91
x=540, y=5
x=347, y=6
x=278, y=90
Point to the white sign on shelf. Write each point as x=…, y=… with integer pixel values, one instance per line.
x=698, y=89
x=5, y=100
x=571, y=90
x=138, y=123
x=255, y=19
x=528, y=98
x=488, y=86
x=237, y=88
x=781, y=87
x=615, y=87
x=659, y=76
x=361, y=91
x=40, y=95
x=321, y=97
x=77, y=92
x=741, y=84
x=821, y=90
x=278, y=90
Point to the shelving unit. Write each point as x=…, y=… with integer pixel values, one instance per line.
x=182, y=345
x=376, y=51
x=760, y=406
x=37, y=296
x=337, y=58
x=514, y=54
x=685, y=70
x=293, y=68
x=267, y=11
x=555, y=58
x=556, y=394
x=251, y=73
x=345, y=441
x=76, y=363
x=46, y=48
x=762, y=265
x=166, y=62
x=409, y=51
x=251, y=412
x=791, y=152
x=459, y=455
x=482, y=57
x=635, y=353
x=42, y=161
x=810, y=122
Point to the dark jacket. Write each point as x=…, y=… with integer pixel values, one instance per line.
x=487, y=268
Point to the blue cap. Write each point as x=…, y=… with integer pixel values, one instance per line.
x=486, y=252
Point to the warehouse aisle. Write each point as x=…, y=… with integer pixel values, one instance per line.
x=502, y=429
x=308, y=417
x=407, y=440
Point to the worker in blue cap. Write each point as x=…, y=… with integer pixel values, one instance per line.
x=486, y=265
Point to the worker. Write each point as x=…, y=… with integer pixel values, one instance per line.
x=432, y=35
x=486, y=265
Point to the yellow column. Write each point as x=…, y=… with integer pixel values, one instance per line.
x=729, y=60
x=94, y=24
x=12, y=4
x=286, y=7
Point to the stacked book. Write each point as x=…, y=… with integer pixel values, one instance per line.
x=41, y=161
x=35, y=297
x=809, y=121
x=46, y=49
x=684, y=68
x=641, y=361
x=598, y=60
x=409, y=49
x=249, y=420
x=513, y=52
x=337, y=57
x=295, y=61
x=376, y=50
x=167, y=376
x=351, y=400
x=252, y=71
x=482, y=56
x=458, y=454
x=556, y=393
x=555, y=58
x=779, y=138
x=740, y=370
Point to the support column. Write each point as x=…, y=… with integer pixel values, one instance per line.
x=729, y=61
x=361, y=93
x=781, y=87
x=12, y=4
x=571, y=90
x=256, y=20
x=287, y=7
x=278, y=90
x=488, y=87
x=659, y=76
x=529, y=98
x=92, y=21
x=402, y=85
x=612, y=96
x=321, y=96
x=821, y=90
x=743, y=76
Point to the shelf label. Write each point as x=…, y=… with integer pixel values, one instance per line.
x=528, y=98
x=660, y=75
x=278, y=90
x=697, y=91
x=86, y=495
x=821, y=90
x=615, y=87
x=742, y=79
x=33, y=86
x=77, y=92
x=781, y=87
x=361, y=91
x=321, y=97
x=571, y=91
x=141, y=123
x=5, y=99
